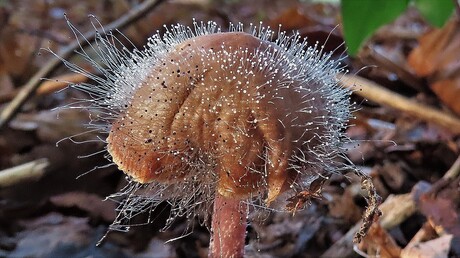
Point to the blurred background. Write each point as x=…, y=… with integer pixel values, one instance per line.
x=409, y=152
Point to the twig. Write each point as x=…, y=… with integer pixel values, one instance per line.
x=397, y=209
x=426, y=232
x=453, y=172
x=372, y=212
x=377, y=58
x=374, y=92
x=49, y=86
x=28, y=171
x=448, y=177
x=31, y=86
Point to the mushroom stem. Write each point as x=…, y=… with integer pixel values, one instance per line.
x=228, y=227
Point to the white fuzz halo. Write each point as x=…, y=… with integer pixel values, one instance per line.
x=121, y=72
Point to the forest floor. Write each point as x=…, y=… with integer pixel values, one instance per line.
x=48, y=210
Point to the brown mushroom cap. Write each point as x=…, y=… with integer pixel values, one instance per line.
x=218, y=108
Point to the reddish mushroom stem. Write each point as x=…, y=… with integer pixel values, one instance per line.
x=228, y=227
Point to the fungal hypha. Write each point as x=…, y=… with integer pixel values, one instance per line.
x=213, y=121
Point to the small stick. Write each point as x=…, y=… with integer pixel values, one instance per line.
x=453, y=171
x=28, y=171
x=50, y=86
x=448, y=177
x=425, y=233
x=374, y=92
x=31, y=86
x=372, y=212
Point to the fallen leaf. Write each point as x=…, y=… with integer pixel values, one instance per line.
x=156, y=248
x=442, y=208
x=443, y=211
x=448, y=91
x=286, y=235
x=393, y=175
x=437, y=58
x=378, y=241
x=344, y=207
x=292, y=18
x=55, y=235
x=91, y=203
x=432, y=54
x=436, y=248
x=316, y=22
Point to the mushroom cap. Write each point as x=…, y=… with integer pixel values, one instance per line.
x=225, y=109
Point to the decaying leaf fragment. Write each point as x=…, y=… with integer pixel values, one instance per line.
x=438, y=58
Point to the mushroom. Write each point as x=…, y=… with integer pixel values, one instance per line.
x=214, y=122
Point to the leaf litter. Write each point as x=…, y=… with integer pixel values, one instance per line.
x=60, y=215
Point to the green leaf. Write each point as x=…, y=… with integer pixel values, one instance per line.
x=362, y=17
x=435, y=11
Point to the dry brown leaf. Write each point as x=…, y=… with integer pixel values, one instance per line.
x=393, y=175
x=425, y=59
x=443, y=211
x=56, y=235
x=436, y=248
x=51, y=235
x=442, y=207
x=16, y=51
x=378, y=241
x=90, y=203
x=316, y=22
x=344, y=207
x=449, y=92
x=437, y=57
x=292, y=18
